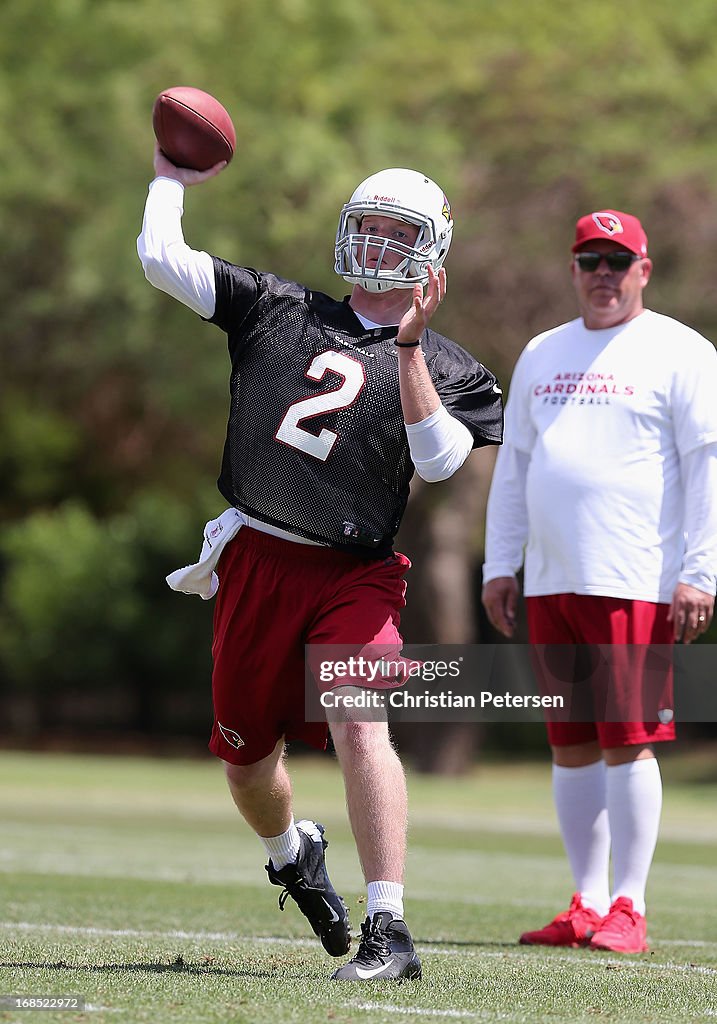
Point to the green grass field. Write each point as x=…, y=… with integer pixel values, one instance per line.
x=134, y=885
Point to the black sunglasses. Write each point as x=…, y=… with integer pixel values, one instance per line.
x=616, y=261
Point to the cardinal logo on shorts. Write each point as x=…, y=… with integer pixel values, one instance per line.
x=233, y=738
x=608, y=223
x=665, y=715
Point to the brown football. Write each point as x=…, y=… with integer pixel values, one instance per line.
x=193, y=128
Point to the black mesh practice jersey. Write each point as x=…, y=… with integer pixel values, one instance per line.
x=316, y=442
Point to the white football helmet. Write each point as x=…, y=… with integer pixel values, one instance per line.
x=404, y=195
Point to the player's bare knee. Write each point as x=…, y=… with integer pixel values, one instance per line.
x=244, y=776
x=577, y=755
x=248, y=776
x=629, y=753
x=360, y=738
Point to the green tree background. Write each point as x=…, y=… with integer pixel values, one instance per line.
x=114, y=397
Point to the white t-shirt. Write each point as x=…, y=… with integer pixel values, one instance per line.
x=601, y=424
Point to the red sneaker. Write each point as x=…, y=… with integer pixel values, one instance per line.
x=623, y=930
x=574, y=927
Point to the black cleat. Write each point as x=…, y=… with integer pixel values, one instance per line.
x=385, y=952
x=308, y=883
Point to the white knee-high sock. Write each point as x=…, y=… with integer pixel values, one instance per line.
x=284, y=848
x=634, y=803
x=580, y=801
x=384, y=895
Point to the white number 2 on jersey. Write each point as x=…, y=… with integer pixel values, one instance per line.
x=320, y=445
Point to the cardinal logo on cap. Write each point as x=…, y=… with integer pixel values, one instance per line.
x=608, y=223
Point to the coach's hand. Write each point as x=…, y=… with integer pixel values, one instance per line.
x=690, y=612
x=500, y=599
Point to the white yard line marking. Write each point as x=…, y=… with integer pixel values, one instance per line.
x=418, y=1011
x=135, y=933
x=444, y=950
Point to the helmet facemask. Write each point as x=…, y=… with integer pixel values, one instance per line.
x=405, y=196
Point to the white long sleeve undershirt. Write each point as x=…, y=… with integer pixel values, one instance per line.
x=169, y=263
x=439, y=444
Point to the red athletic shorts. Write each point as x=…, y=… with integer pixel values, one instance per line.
x=586, y=619
x=275, y=596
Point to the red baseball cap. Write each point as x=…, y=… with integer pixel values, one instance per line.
x=618, y=227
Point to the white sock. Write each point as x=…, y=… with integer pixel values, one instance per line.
x=283, y=849
x=634, y=803
x=385, y=896
x=580, y=801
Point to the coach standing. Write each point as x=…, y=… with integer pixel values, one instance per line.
x=608, y=479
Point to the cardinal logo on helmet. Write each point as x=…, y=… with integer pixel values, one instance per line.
x=446, y=211
x=608, y=223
